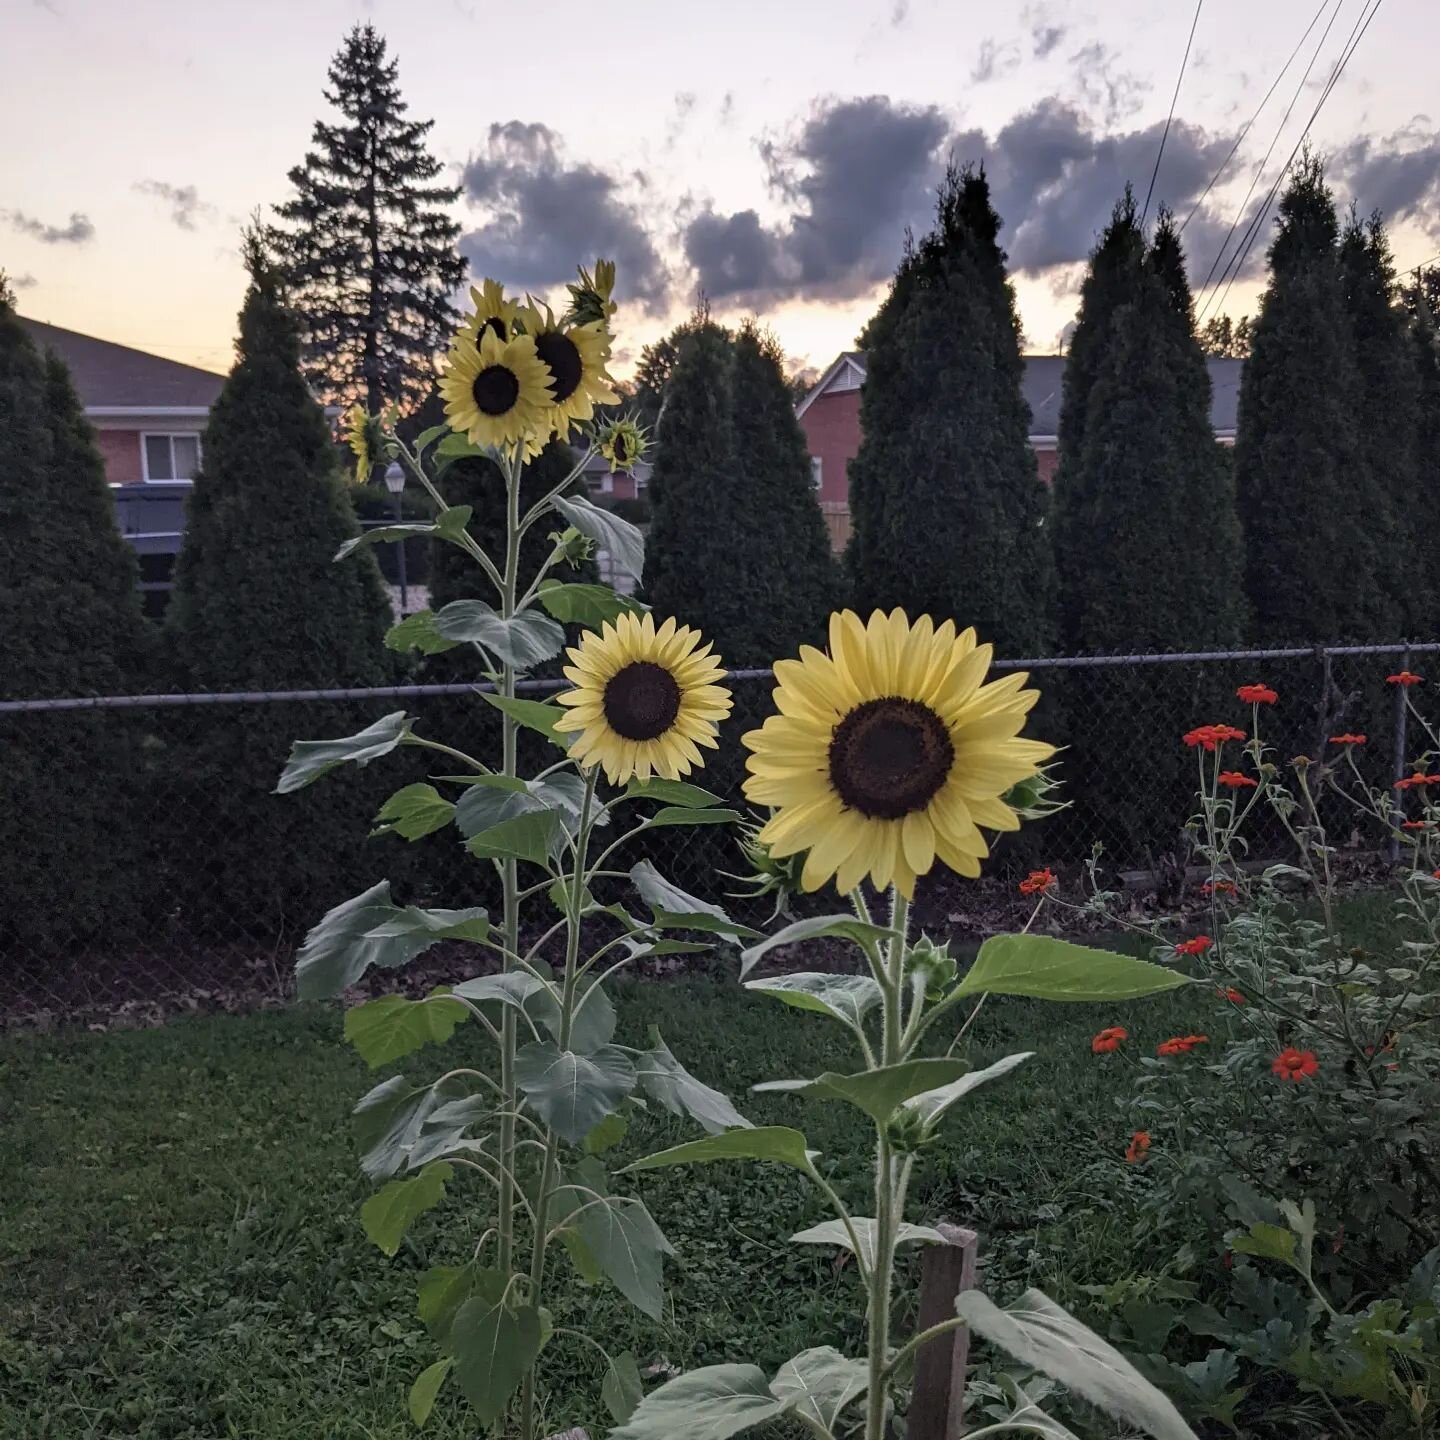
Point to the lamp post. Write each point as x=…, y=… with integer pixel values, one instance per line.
x=395, y=484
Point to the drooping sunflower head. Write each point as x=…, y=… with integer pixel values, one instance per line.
x=646, y=697
x=590, y=299
x=890, y=752
x=576, y=356
x=492, y=312
x=357, y=436
x=496, y=392
x=622, y=443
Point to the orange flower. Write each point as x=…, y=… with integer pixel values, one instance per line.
x=1233, y=996
x=1414, y=824
x=1180, y=1044
x=1296, y=1065
x=1407, y=678
x=1234, y=780
x=1109, y=1039
x=1257, y=695
x=1198, y=946
x=1435, y=875
x=1418, y=778
x=1138, y=1148
x=1347, y=739
x=1037, y=882
x=1218, y=887
x=1212, y=735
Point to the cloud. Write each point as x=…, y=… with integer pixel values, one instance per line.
x=1046, y=34
x=1398, y=175
x=185, y=205
x=1115, y=93
x=77, y=232
x=995, y=60
x=544, y=215
x=899, y=13
x=22, y=282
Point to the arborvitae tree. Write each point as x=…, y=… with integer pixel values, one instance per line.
x=1226, y=339
x=950, y=516
x=368, y=248
x=71, y=625
x=1389, y=408
x=261, y=604
x=1425, y=340
x=657, y=365
x=1316, y=523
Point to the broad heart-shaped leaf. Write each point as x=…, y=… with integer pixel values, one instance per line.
x=622, y=1389
x=666, y=1081
x=671, y=792
x=819, y=1384
x=534, y=715
x=490, y=800
x=417, y=632
x=712, y=1403
x=846, y=927
x=371, y=930
x=387, y=1214
x=425, y=1389
x=674, y=909
x=607, y=1134
x=525, y=837
x=1038, y=1333
x=1268, y=1242
x=446, y=526
x=592, y=1027
x=833, y=1232
x=518, y=990
x=848, y=998
x=388, y=1121
x=522, y=640
x=310, y=759
x=494, y=1345
x=627, y=1245
x=573, y=1093
x=880, y=1092
x=759, y=1142
x=1048, y=969
x=413, y=812
x=590, y=605
x=443, y=1289
x=930, y=1105
x=391, y=1026
x=624, y=542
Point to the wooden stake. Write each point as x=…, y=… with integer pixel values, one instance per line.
x=938, y=1402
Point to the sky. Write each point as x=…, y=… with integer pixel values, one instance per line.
x=768, y=155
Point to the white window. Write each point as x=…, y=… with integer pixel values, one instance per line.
x=817, y=472
x=170, y=457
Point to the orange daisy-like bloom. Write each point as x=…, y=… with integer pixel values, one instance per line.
x=1109, y=1039
x=1181, y=1044
x=1347, y=739
x=1211, y=736
x=1219, y=887
x=1257, y=695
x=1406, y=678
x=1138, y=1148
x=1414, y=824
x=1037, y=882
x=1296, y=1065
x=1234, y=780
x=1198, y=946
x=1233, y=996
x=1418, y=778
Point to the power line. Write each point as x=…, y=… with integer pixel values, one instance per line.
x=1165, y=134
x=1240, y=139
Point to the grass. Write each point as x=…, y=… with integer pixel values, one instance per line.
x=181, y=1254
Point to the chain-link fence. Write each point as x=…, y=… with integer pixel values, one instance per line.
x=146, y=862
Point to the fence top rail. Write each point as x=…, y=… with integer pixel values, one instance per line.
x=542, y=687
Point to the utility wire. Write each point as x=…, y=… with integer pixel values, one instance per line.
x=1165, y=133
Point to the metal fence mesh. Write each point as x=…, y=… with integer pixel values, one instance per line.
x=146, y=864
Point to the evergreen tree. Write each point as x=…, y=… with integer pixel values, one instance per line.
x=950, y=517
x=1425, y=341
x=367, y=247
x=71, y=621
x=1316, y=521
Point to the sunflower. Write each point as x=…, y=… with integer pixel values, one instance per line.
x=357, y=434
x=889, y=753
x=590, y=299
x=622, y=443
x=576, y=355
x=497, y=392
x=492, y=312
x=644, y=699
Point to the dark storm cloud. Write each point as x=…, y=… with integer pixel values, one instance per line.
x=184, y=203
x=544, y=215
x=76, y=232
x=1398, y=175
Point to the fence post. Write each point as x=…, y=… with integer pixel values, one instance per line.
x=1401, y=746
x=938, y=1402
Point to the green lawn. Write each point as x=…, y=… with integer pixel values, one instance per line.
x=181, y=1253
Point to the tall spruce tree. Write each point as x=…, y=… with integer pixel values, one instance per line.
x=367, y=247
x=1316, y=521
x=950, y=517
x=71, y=625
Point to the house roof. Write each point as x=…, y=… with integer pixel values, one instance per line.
x=1043, y=382
x=111, y=377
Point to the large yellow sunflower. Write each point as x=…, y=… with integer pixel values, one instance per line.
x=889, y=753
x=645, y=699
x=492, y=311
x=496, y=392
x=577, y=356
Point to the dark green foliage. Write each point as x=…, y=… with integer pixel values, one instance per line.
x=950, y=517
x=71, y=625
x=1316, y=521
x=368, y=245
x=1426, y=500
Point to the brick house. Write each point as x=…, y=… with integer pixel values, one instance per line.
x=830, y=418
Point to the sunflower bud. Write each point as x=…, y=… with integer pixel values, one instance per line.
x=574, y=547
x=907, y=1131
x=368, y=437
x=590, y=299
x=932, y=964
x=1033, y=798
x=766, y=874
x=622, y=442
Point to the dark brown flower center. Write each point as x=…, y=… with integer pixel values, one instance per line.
x=559, y=352
x=621, y=446
x=495, y=389
x=496, y=326
x=889, y=757
x=641, y=701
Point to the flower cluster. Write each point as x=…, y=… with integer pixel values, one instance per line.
x=1212, y=736
x=1181, y=1044
x=1196, y=946
x=1037, y=882
x=1108, y=1040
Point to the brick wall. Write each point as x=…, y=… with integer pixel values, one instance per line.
x=120, y=450
x=832, y=430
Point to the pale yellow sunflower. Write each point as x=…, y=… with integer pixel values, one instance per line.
x=577, y=356
x=496, y=392
x=889, y=752
x=622, y=443
x=492, y=311
x=357, y=434
x=645, y=699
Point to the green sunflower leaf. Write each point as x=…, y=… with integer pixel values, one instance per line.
x=848, y=998
x=671, y=792
x=675, y=909
x=310, y=759
x=417, y=632
x=880, y=1092
x=522, y=640
x=1044, y=968
x=448, y=525
x=626, y=545
x=532, y=714
x=591, y=605
x=844, y=927
x=392, y=1026
x=388, y=1214
x=762, y=1142
x=426, y=1388
x=413, y=812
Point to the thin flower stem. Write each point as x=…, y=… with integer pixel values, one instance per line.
x=546, y=501
x=449, y=750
